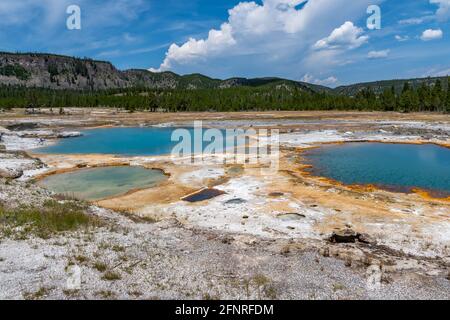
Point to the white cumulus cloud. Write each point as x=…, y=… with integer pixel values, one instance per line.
x=276, y=37
x=217, y=41
x=378, y=54
x=431, y=34
x=443, y=13
x=346, y=36
x=330, y=81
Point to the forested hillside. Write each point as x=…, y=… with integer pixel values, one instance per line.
x=52, y=81
x=57, y=72
x=379, y=87
x=425, y=98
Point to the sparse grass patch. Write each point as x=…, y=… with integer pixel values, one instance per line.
x=81, y=259
x=208, y=297
x=260, y=280
x=118, y=248
x=264, y=285
x=100, y=266
x=103, y=246
x=135, y=293
x=338, y=287
x=52, y=218
x=39, y=294
x=137, y=219
x=271, y=292
x=124, y=258
x=246, y=284
x=71, y=293
x=106, y=294
x=111, y=276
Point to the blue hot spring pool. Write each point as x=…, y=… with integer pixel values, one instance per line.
x=396, y=167
x=147, y=141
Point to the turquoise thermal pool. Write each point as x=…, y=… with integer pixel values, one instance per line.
x=99, y=183
x=395, y=167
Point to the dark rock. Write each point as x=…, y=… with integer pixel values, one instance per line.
x=365, y=238
x=350, y=236
x=227, y=240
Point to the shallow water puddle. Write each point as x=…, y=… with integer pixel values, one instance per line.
x=203, y=195
x=100, y=183
x=291, y=216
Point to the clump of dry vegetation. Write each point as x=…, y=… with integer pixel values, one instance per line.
x=100, y=266
x=265, y=287
x=111, y=276
x=41, y=293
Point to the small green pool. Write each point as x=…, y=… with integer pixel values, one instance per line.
x=100, y=183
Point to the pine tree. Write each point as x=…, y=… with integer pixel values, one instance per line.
x=405, y=98
x=414, y=101
x=405, y=87
x=388, y=99
x=447, y=100
x=436, y=98
x=424, y=97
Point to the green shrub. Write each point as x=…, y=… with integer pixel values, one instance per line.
x=51, y=218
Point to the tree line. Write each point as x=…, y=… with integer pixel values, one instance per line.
x=431, y=98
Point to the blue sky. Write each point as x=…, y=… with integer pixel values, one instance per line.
x=321, y=41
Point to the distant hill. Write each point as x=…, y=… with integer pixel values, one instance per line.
x=52, y=71
x=380, y=86
x=62, y=72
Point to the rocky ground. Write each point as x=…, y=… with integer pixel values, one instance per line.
x=225, y=248
x=129, y=258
